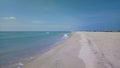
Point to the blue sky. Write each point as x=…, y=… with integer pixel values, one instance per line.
x=59, y=15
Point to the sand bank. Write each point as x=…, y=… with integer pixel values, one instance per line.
x=82, y=50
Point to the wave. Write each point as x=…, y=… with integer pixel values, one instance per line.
x=65, y=36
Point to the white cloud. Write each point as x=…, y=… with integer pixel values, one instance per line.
x=12, y=18
x=9, y=18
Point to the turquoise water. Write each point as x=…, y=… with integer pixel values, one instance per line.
x=18, y=45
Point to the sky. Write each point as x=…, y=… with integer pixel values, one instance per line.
x=59, y=15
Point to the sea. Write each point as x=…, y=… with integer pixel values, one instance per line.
x=20, y=47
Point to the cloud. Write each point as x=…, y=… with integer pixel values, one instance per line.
x=12, y=18
x=9, y=18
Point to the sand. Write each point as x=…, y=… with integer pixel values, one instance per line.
x=82, y=50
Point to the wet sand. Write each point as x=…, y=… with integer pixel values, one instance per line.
x=82, y=50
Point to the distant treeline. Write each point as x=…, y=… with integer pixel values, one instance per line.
x=101, y=30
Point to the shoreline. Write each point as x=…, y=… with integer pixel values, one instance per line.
x=47, y=49
x=81, y=50
x=56, y=48
x=23, y=59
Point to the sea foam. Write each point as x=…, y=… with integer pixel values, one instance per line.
x=65, y=36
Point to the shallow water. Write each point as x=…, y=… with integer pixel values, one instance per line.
x=15, y=46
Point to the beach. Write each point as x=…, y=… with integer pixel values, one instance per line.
x=82, y=50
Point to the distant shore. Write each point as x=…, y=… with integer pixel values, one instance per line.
x=82, y=50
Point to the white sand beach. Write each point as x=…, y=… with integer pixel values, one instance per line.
x=82, y=50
